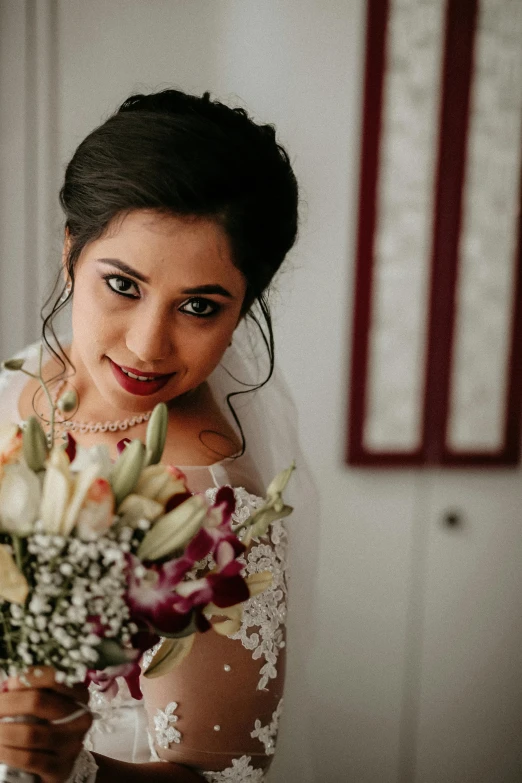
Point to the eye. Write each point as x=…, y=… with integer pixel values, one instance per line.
x=121, y=285
x=201, y=308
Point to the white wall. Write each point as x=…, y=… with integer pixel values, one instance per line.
x=360, y=537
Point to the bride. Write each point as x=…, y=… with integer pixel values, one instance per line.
x=179, y=211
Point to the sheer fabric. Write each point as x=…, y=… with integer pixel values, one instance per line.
x=219, y=710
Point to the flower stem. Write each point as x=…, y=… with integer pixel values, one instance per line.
x=49, y=398
x=46, y=391
x=7, y=635
x=17, y=546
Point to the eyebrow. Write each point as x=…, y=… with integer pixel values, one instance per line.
x=125, y=268
x=210, y=288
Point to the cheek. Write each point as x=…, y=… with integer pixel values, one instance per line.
x=91, y=319
x=203, y=355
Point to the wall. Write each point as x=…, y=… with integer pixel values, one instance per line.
x=359, y=537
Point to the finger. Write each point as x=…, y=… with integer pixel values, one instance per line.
x=45, y=704
x=65, y=740
x=40, y=738
x=38, y=762
x=44, y=677
x=27, y=736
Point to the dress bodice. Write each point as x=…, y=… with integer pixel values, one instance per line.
x=219, y=710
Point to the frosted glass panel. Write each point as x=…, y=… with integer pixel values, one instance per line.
x=402, y=248
x=485, y=290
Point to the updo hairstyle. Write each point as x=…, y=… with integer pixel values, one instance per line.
x=186, y=155
x=182, y=154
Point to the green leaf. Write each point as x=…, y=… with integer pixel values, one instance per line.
x=110, y=653
x=169, y=655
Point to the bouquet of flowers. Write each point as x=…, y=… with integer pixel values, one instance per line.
x=99, y=560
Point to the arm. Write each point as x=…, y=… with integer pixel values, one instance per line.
x=219, y=709
x=49, y=750
x=110, y=770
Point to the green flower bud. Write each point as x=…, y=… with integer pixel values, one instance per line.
x=127, y=470
x=34, y=444
x=174, y=530
x=68, y=401
x=13, y=364
x=156, y=434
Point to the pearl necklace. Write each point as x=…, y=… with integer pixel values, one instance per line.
x=99, y=426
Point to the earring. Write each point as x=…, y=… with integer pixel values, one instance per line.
x=67, y=292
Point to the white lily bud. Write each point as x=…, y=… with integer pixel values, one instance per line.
x=13, y=364
x=19, y=499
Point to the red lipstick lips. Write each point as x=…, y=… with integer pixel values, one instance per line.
x=136, y=386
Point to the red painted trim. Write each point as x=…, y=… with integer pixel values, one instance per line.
x=376, y=26
x=376, y=30
x=456, y=81
x=509, y=453
x=512, y=427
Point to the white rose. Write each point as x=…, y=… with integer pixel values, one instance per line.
x=19, y=499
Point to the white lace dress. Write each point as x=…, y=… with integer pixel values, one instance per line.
x=219, y=710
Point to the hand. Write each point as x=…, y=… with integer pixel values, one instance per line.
x=46, y=749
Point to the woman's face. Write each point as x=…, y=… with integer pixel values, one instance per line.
x=157, y=296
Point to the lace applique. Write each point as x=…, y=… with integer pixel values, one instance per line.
x=149, y=655
x=85, y=769
x=267, y=734
x=164, y=720
x=265, y=612
x=241, y=771
x=245, y=502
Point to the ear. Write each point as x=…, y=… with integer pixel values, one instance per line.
x=65, y=254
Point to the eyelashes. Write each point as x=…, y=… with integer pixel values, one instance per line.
x=196, y=306
x=121, y=285
x=202, y=308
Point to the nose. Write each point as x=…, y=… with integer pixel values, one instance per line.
x=148, y=337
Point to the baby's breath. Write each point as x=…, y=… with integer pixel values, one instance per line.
x=76, y=587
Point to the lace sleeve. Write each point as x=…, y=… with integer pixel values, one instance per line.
x=219, y=710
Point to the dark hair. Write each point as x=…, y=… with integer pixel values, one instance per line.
x=186, y=155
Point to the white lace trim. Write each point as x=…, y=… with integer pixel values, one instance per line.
x=149, y=655
x=164, y=720
x=268, y=734
x=85, y=769
x=241, y=771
